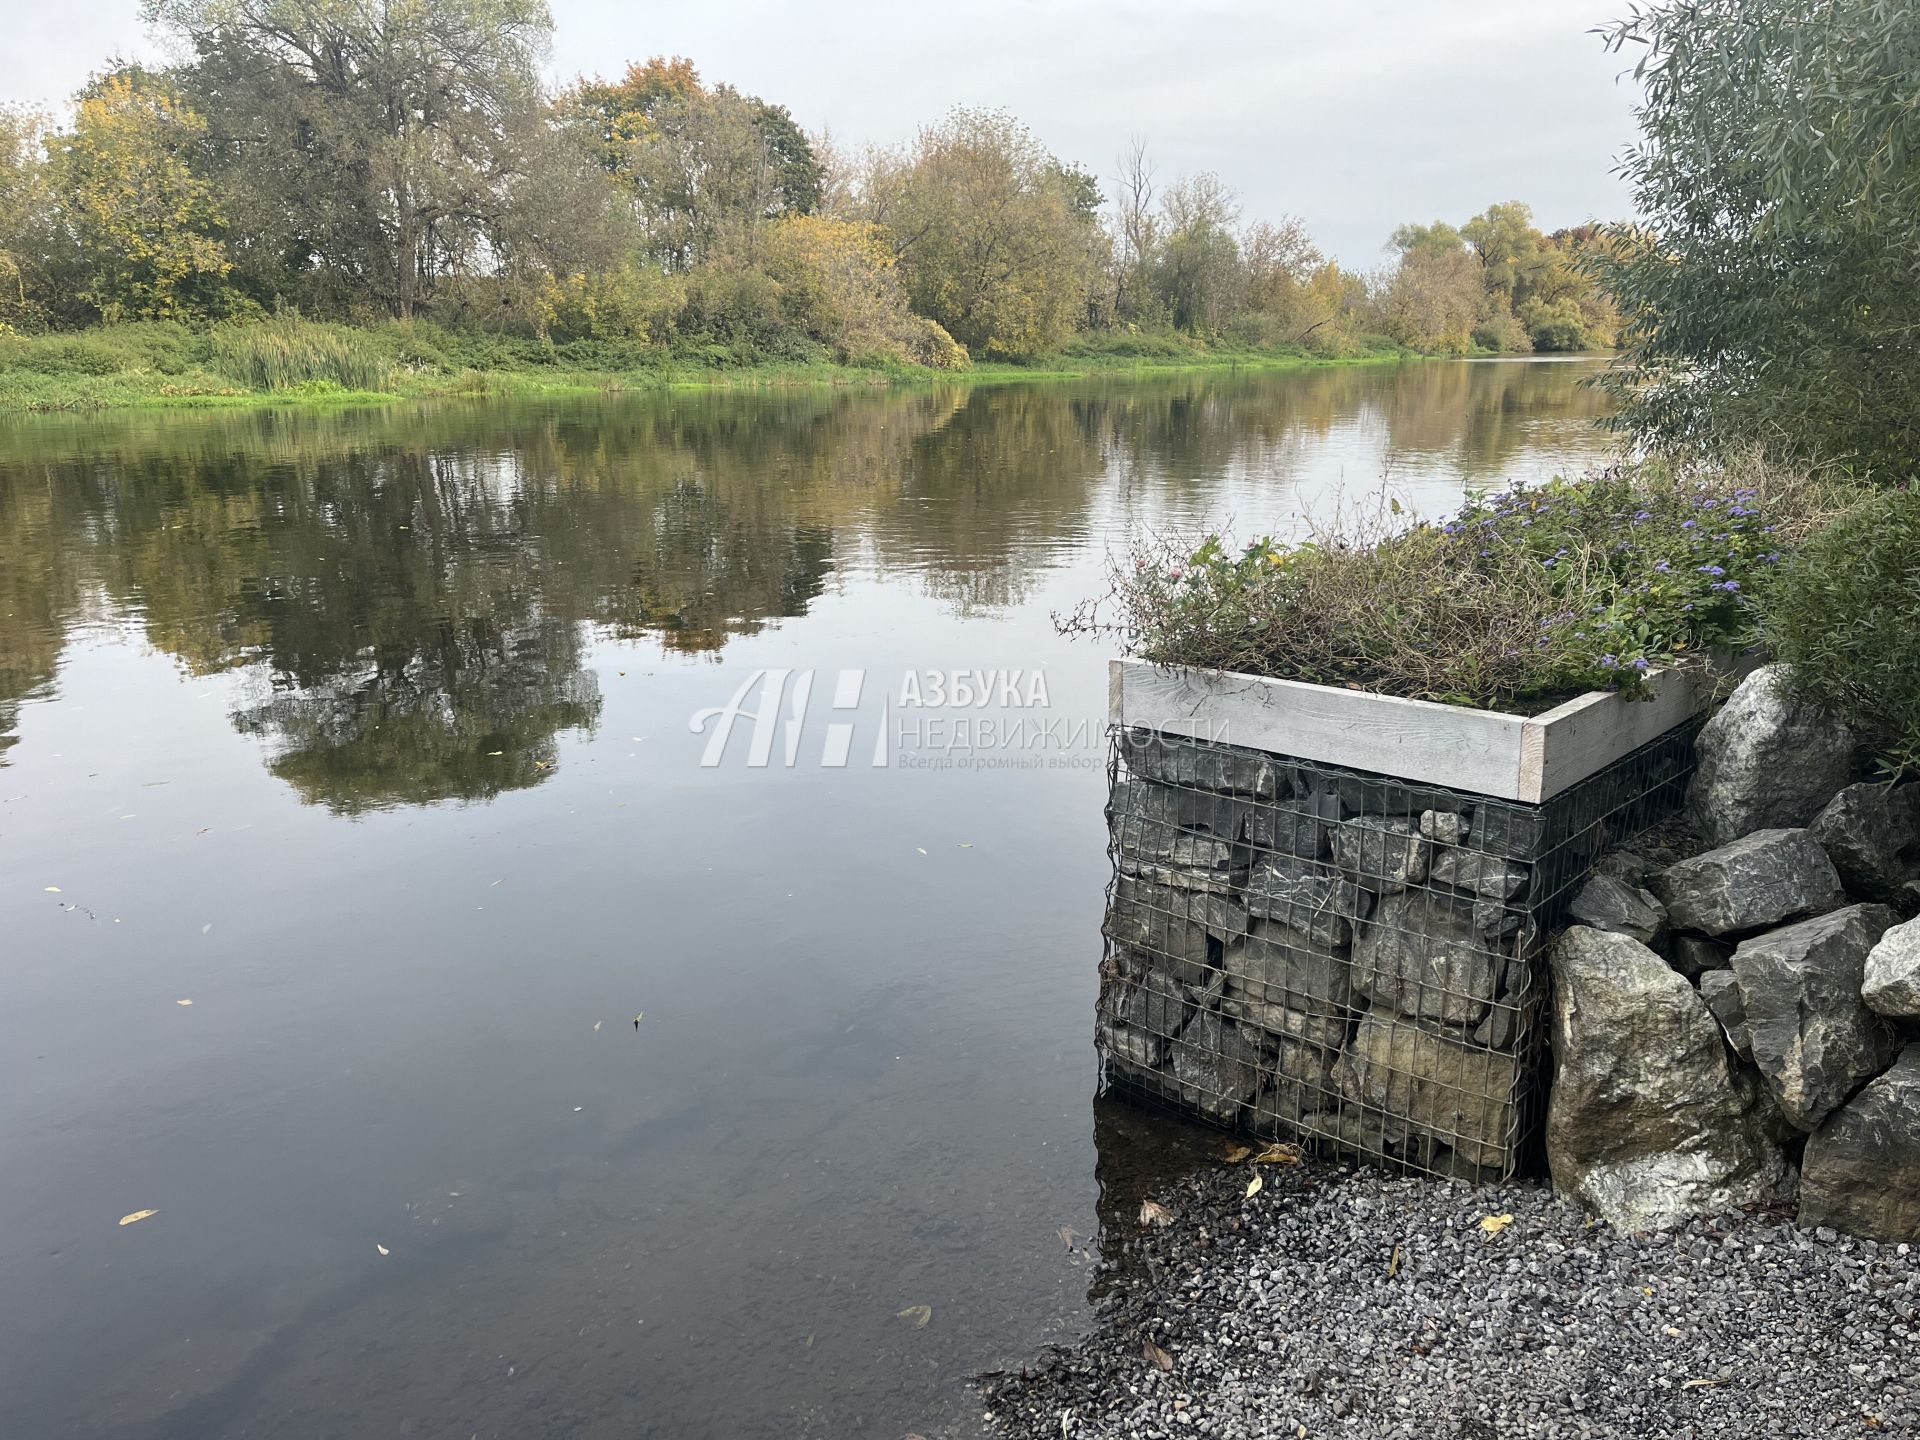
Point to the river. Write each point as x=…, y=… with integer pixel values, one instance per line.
x=492, y=1066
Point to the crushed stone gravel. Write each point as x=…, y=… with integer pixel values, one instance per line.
x=1342, y=1302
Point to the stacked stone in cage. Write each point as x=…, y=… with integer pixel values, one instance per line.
x=1348, y=959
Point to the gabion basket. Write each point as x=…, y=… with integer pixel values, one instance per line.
x=1346, y=959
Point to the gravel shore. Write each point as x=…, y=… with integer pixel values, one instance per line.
x=1343, y=1303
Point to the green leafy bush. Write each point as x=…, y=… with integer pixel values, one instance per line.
x=1845, y=616
x=1523, y=598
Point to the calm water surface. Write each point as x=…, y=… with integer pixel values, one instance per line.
x=369, y=734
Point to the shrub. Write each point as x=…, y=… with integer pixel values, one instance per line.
x=1523, y=598
x=1845, y=616
x=287, y=352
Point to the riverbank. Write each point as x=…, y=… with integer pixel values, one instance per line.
x=1339, y=1302
x=81, y=381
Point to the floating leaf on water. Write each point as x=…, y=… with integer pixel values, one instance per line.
x=596, y=1024
x=492, y=753
x=206, y=927
x=1154, y=1213
x=966, y=845
x=1494, y=1224
x=921, y=848
x=1253, y=1186
x=1155, y=1356
x=136, y=1216
x=1278, y=1155
x=53, y=889
x=917, y=1316
x=183, y=1002
x=1067, y=1237
x=810, y=1335
x=381, y=1248
x=1237, y=1153
x=638, y=1018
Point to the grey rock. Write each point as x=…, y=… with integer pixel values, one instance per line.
x=1157, y=1004
x=1766, y=762
x=1648, y=1122
x=1891, y=984
x=1177, y=807
x=1275, y=964
x=1307, y=897
x=1326, y=1030
x=1628, y=868
x=1171, y=760
x=1486, y=875
x=1605, y=903
x=1173, y=924
x=1216, y=1070
x=1756, y=881
x=1423, y=956
x=1695, y=955
x=1180, y=858
x=1814, y=1040
x=1447, y=827
x=1872, y=835
x=1299, y=1086
x=1721, y=990
x=1436, y=1086
x=1383, y=853
x=1861, y=1172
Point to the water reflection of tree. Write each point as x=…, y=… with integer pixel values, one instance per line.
x=411, y=591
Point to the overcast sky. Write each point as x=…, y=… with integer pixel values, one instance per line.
x=1354, y=114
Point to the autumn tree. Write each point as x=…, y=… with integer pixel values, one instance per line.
x=26, y=216
x=368, y=152
x=1432, y=299
x=1199, y=272
x=999, y=240
x=149, y=225
x=698, y=160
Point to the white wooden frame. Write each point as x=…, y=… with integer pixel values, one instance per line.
x=1529, y=758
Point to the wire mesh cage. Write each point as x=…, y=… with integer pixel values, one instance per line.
x=1321, y=954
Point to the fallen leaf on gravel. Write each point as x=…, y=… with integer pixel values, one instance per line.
x=1278, y=1155
x=1393, y=1265
x=1155, y=1356
x=1703, y=1384
x=1253, y=1187
x=917, y=1315
x=1153, y=1213
x=1237, y=1153
x=1494, y=1224
x=137, y=1215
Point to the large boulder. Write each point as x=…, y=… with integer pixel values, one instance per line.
x=1813, y=1037
x=1415, y=1080
x=1605, y=903
x=1486, y=875
x=1766, y=762
x=1171, y=926
x=1872, y=835
x=1423, y=956
x=1891, y=985
x=1648, y=1122
x=1756, y=881
x=1861, y=1172
x=1307, y=897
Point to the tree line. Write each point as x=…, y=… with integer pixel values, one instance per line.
x=406, y=162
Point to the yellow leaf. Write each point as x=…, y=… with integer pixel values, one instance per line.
x=1153, y=1213
x=53, y=889
x=183, y=1002
x=1237, y=1153
x=917, y=1316
x=1393, y=1265
x=1278, y=1155
x=1253, y=1186
x=1155, y=1356
x=137, y=1215
x=1494, y=1224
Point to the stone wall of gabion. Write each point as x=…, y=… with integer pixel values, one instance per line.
x=1322, y=954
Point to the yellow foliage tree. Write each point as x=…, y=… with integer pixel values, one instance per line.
x=148, y=226
x=839, y=282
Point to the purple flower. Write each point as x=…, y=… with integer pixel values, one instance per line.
x=1641, y=663
x=1662, y=568
x=1713, y=570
